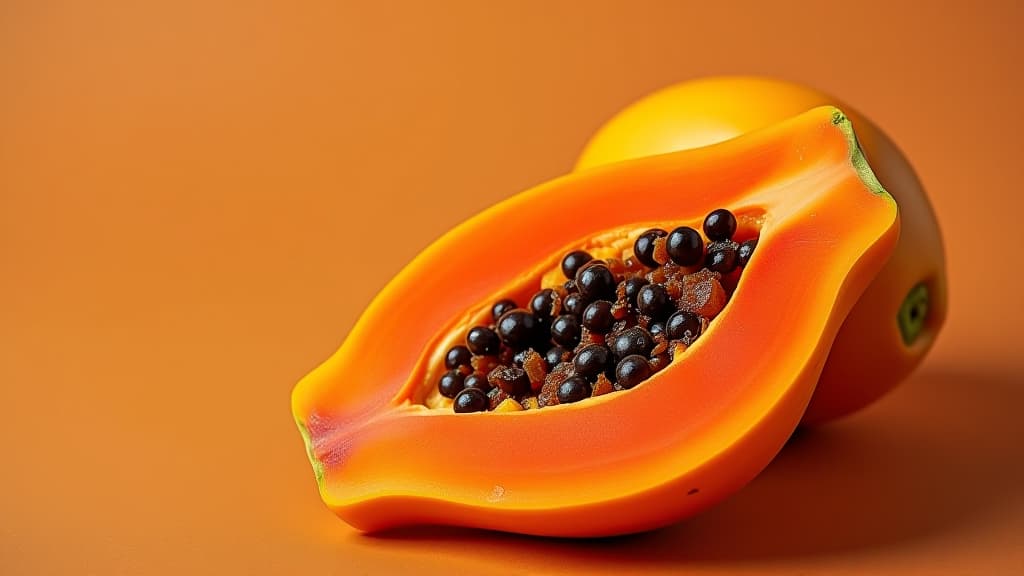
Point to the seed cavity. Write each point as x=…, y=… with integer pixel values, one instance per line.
x=611, y=324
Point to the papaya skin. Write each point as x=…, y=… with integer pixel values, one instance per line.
x=678, y=443
x=883, y=339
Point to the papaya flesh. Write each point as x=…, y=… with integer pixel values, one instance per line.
x=386, y=455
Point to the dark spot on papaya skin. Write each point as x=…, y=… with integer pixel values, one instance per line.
x=693, y=491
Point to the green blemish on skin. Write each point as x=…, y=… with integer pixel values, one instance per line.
x=913, y=314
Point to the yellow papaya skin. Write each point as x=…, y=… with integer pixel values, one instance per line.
x=896, y=321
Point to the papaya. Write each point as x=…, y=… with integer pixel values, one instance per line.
x=647, y=446
x=896, y=321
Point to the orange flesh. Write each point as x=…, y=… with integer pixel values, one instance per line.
x=625, y=462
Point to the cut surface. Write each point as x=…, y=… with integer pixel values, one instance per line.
x=620, y=462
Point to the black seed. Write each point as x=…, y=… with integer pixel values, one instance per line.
x=575, y=304
x=593, y=360
x=746, y=250
x=565, y=330
x=542, y=335
x=632, y=370
x=721, y=258
x=633, y=286
x=573, y=389
x=502, y=306
x=596, y=282
x=635, y=340
x=570, y=287
x=720, y=225
x=451, y=383
x=643, y=248
x=478, y=381
x=513, y=381
x=685, y=246
x=598, y=317
x=683, y=326
x=483, y=341
x=653, y=300
x=572, y=262
x=556, y=355
x=520, y=357
x=457, y=356
x=517, y=328
x=542, y=303
x=656, y=328
x=470, y=400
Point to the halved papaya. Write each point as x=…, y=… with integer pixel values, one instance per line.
x=387, y=451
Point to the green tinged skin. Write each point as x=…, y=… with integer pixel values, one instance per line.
x=860, y=163
x=318, y=466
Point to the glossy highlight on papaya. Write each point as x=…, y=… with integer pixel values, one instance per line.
x=690, y=435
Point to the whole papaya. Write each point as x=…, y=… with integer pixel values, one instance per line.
x=898, y=317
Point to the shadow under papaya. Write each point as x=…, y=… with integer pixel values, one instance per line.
x=940, y=452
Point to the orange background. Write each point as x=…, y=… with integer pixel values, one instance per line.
x=198, y=199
